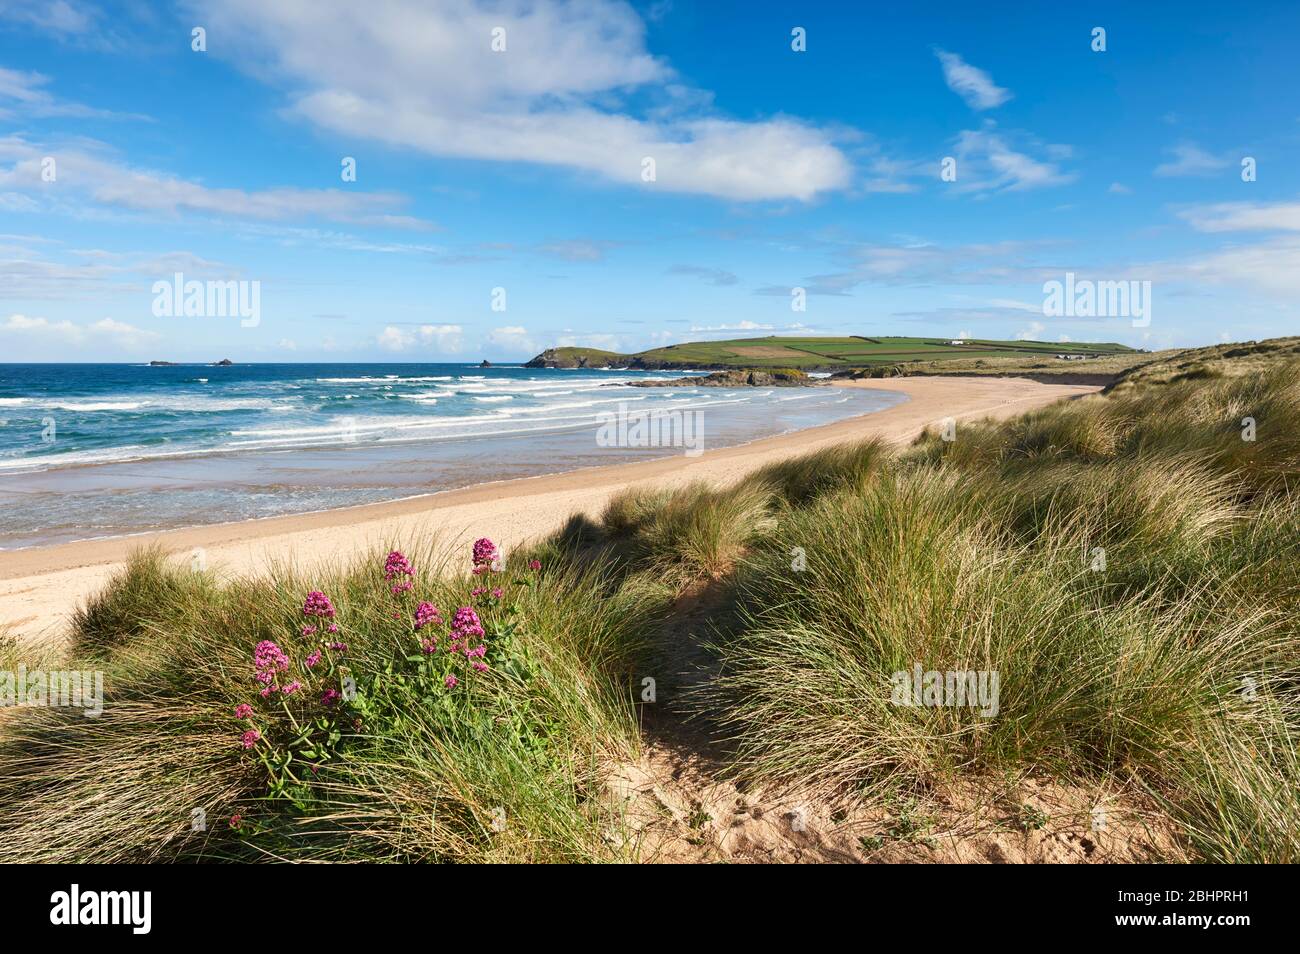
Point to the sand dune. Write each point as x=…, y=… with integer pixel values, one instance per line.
x=40, y=587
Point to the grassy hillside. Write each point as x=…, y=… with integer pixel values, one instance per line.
x=1128, y=565
x=826, y=354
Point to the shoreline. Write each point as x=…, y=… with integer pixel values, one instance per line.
x=41, y=586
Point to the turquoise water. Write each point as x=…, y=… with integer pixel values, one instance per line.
x=102, y=450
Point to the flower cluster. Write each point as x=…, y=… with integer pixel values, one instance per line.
x=485, y=551
x=427, y=614
x=398, y=567
x=269, y=660
x=318, y=604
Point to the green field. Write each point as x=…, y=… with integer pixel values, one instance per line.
x=812, y=354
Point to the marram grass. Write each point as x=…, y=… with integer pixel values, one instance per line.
x=1127, y=564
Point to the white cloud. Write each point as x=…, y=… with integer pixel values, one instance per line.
x=26, y=95
x=738, y=326
x=1191, y=160
x=1245, y=217
x=105, y=181
x=986, y=162
x=446, y=339
x=61, y=17
x=578, y=250
x=106, y=331
x=423, y=75
x=121, y=334
x=1119, y=188
x=1271, y=267
x=972, y=84
x=713, y=276
x=1032, y=333
x=511, y=338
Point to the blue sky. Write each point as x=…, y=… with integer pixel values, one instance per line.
x=522, y=169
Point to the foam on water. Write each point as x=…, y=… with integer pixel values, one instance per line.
x=136, y=448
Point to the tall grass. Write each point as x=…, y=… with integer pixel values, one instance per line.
x=507, y=766
x=1126, y=564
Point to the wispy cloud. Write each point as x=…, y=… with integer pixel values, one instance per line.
x=24, y=94
x=578, y=250
x=972, y=84
x=1191, y=160
x=988, y=161
x=109, y=183
x=713, y=276
x=1244, y=217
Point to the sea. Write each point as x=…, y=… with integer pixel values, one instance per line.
x=100, y=450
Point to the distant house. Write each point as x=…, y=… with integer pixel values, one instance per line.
x=957, y=341
x=1070, y=357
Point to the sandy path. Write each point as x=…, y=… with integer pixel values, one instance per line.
x=39, y=587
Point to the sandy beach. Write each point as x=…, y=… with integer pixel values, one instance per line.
x=40, y=587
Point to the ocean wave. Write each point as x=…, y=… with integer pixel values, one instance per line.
x=384, y=379
x=97, y=406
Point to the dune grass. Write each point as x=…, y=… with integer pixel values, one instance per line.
x=1127, y=566
x=504, y=766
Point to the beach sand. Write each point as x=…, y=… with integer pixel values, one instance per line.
x=40, y=587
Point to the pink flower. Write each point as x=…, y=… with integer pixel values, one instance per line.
x=291, y=688
x=338, y=647
x=479, y=650
x=485, y=552
x=466, y=623
x=402, y=587
x=477, y=591
x=397, y=565
x=426, y=613
x=329, y=697
x=479, y=665
x=496, y=592
x=269, y=659
x=312, y=659
x=309, y=630
x=449, y=682
x=332, y=628
x=236, y=820
x=318, y=604
x=249, y=738
x=243, y=711
x=429, y=646
x=535, y=565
